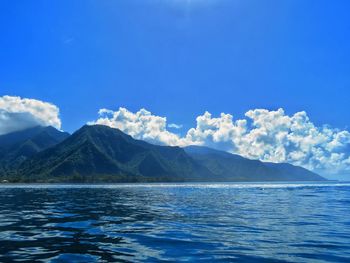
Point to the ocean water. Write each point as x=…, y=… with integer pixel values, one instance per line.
x=175, y=222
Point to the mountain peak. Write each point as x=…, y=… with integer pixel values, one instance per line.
x=99, y=128
x=9, y=139
x=110, y=152
x=99, y=153
x=17, y=146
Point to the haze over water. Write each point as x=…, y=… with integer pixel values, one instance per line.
x=176, y=222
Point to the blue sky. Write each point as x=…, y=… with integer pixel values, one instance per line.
x=179, y=58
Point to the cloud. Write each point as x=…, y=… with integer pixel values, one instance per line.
x=141, y=125
x=175, y=126
x=18, y=113
x=271, y=136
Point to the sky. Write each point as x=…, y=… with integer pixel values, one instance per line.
x=170, y=62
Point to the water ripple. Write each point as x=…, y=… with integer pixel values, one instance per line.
x=175, y=222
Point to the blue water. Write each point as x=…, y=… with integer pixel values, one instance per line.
x=175, y=222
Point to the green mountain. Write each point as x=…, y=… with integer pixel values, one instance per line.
x=16, y=147
x=102, y=154
x=231, y=167
x=99, y=153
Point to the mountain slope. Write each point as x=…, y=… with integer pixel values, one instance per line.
x=97, y=153
x=232, y=167
x=17, y=146
x=102, y=154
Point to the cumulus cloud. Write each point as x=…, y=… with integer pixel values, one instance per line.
x=18, y=113
x=271, y=136
x=141, y=125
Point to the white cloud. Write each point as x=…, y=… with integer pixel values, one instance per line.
x=18, y=113
x=141, y=125
x=175, y=126
x=266, y=135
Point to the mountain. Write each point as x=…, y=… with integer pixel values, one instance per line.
x=100, y=153
x=231, y=167
x=17, y=146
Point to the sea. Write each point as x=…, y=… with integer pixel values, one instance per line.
x=173, y=222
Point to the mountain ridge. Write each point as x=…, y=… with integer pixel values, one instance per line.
x=17, y=146
x=240, y=169
x=97, y=153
